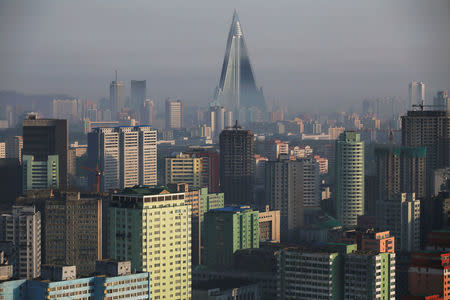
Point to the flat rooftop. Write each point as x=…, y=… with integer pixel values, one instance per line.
x=146, y=190
x=231, y=209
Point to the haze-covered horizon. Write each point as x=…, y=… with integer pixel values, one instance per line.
x=309, y=55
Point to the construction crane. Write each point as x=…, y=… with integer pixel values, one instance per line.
x=98, y=174
x=422, y=105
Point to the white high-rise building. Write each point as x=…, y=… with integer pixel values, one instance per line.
x=416, y=93
x=174, y=114
x=103, y=152
x=22, y=227
x=129, y=157
x=147, y=156
x=349, y=178
x=126, y=156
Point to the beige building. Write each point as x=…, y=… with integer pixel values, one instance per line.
x=269, y=225
x=185, y=169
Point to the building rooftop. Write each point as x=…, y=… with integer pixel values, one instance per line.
x=231, y=209
x=146, y=190
x=222, y=284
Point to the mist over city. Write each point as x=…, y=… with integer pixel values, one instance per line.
x=213, y=150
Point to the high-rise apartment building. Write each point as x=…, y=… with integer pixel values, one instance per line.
x=401, y=170
x=47, y=137
x=116, y=97
x=125, y=156
x=129, y=157
x=229, y=229
x=22, y=227
x=151, y=227
x=237, y=90
x=369, y=275
x=210, y=166
x=442, y=101
x=40, y=175
x=138, y=94
x=174, y=114
x=291, y=185
x=349, y=178
x=147, y=113
x=304, y=273
x=14, y=147
x=401, y=215
x=416, y=93
x=147, y=156
x=430, y=129
x=237, y=165
x=73, y=231
x=104, y=154
x=185, y=169
x=65, y=109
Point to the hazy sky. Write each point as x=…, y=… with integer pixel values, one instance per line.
x=308, y=53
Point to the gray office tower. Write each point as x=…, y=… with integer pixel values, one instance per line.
x=237, y=165
x=116, y=99
x=138, y=94
x=237, y=90
x=45, y=137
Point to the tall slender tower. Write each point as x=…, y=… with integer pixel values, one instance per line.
x=236, y=165
x=116, y=97
x=237, y=90
x=349, y=178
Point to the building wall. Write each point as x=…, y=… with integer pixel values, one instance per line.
x=73, y=226
x=229, y=230
x=154, y=233
x=269, y=225
x=349, y=178
x=40, y=175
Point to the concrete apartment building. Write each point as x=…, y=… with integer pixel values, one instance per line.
x=40, y=175
x=369, y=274
x=151, y=227
x=73, y=231
x=229, y=229
x=185, y=169
x=349, y=178
x=291, y=185
x=22, y=227
x=269, y=225
x=62, y=282
x=125, y=155
x=174, y=114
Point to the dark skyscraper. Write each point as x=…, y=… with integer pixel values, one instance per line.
x=138, y=94
x=237, y=90
x=44, y=137
x=237, y=165
x=430, y=129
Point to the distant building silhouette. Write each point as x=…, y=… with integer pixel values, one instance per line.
x=237, y=165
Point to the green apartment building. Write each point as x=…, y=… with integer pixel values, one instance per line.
x=349, y=178
x=151, y=227
x=40, y=175
x=312, y=273
x=229, y=229
x=369, y=275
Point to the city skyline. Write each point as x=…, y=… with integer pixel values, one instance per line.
x=304, y=55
